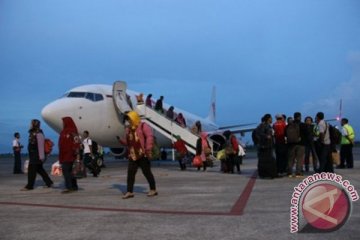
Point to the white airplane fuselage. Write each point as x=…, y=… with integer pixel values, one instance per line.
x=92, y=109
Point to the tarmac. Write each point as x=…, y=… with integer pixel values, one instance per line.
x=191, y=205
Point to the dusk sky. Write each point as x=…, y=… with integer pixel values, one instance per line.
x=263, y=56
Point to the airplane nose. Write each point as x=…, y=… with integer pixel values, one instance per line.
x=50, y=114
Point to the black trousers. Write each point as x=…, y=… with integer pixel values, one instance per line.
x=325, y=161
x=37, y=168
x=17, y=162
x=144, y=164
x=346, y=155
x=281, y=157
x=70, y=180
x=310, y=149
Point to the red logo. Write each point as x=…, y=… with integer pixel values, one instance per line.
x=326, y=207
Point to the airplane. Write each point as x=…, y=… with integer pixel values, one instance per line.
x=99, y=109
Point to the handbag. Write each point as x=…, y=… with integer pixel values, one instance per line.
x=335, y=156
x=78, y=169
x=197, y=161
x=56, y=169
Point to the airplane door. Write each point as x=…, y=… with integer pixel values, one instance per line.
x=120, y=98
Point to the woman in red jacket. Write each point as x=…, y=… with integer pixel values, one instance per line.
x=69, y=147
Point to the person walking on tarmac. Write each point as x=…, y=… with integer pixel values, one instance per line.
x=181, y=151
x=139, y=140
x=69, y=151
x=231, y=151
x=203, y=149
x=347, y=143
x=89, y=155
x=36, y=156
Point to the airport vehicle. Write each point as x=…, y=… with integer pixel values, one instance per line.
x=100, y=110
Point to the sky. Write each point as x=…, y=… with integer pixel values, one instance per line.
x=263, y=56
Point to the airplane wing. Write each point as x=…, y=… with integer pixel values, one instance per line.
x=236, y=126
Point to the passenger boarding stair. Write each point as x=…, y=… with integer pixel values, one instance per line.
x=159, y=122
x=167, y=127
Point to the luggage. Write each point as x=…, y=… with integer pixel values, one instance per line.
x=78, y=169
x=293, y=133
x=95, y=165
x=197, y=161
x=56, y=169
x=335, y=156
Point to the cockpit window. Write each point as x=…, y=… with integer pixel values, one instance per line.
x=98, y=97
x=95, y=97
x=90, y=96
x=76, y=94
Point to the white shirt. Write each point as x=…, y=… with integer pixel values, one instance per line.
x=324, y=128
x=87, y=143
x=16, y=143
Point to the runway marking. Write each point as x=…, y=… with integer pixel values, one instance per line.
x=236, y=210
x=239, y=206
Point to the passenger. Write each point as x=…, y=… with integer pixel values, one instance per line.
x=196, y=128
x=289, y=120
x=181, y=120
x=140, y=99
x=170, y=113
x=280, y=144
x=203, y=149
x=231, y=151
x=159, y=105
x=181, y=151
x=36, y=156
x=16, y=145
x=148, y=100
x=89, y=155
x=310, y=146
x=266, y=160
x=323, y=144
x=69, y=151
x=139, y=140
x=347, y=143
x=296, y=135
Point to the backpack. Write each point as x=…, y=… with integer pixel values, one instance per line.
x=155, y=151
x=94, y=147
x=335, y=135
x=48, y=145
x=293, y=133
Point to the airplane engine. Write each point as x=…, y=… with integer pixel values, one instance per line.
x=118, y=152
x=219, y=140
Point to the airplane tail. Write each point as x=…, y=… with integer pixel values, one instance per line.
x=212, y=112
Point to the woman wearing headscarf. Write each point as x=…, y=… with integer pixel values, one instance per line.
x=203, y=149
x=69, y=151
x=36, y=156
x=139, y=140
